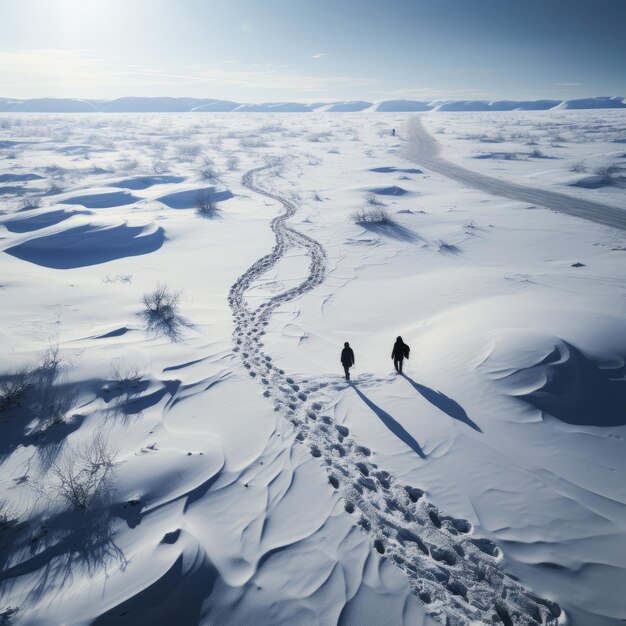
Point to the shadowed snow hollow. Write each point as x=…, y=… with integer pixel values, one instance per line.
x=558, y=378
x=89, y=244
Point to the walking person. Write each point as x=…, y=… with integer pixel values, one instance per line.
x=347, y=359
x=399, y=353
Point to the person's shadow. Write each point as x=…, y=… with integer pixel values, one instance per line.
x=395, y=427
x=443, y=403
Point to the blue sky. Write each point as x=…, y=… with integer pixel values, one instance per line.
x=268, y=50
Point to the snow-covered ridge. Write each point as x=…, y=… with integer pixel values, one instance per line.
x=178, y=105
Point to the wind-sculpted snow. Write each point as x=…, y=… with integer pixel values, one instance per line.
x=457, y=576
x=558, y=378
x=89, y=244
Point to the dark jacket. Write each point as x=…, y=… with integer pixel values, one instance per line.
x=347, y=357
x=400, y=351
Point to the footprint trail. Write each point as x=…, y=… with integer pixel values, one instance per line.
x=457, y=576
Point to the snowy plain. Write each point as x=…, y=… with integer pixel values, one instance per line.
x=252, y=485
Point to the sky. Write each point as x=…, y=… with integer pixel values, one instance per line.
x=304, y=50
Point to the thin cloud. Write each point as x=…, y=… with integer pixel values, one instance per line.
x=318, y=55
x=569, y=84
x=81, y=73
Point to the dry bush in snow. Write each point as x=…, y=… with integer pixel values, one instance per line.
x=29, y=202
x=205, y=205
x=13, y=389
x=8, y=519
x=606, y=172
x=82, y=477
x=374, y=215
x=372, y=200
x=443, y=246
x=578, y=167
x=162, y=303
x=208, y=174
x=232, y=163
x=125, y=374
x=160, y=167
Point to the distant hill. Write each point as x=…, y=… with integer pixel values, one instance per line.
x=208, y=105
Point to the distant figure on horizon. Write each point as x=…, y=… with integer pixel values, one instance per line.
x=393, y=132
x=347, y=359
x=399, y=353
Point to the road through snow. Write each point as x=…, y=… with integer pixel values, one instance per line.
x=425, y=150
x=458, y=577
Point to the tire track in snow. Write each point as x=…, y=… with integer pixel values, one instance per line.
x=425, y=150
x=458, y=577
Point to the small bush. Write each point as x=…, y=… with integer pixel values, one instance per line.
x=82, y=478
x=205, y=205
x=54, y=188
x=8, y=519
x=578, y=167
x=233, y=163
x=443, y=246
x=208, y=174
x=162, y=303
x=14, y=389
x=125, y=375
x=376, y=215
x=29, y=202
x=536, y=154
x=606, y=172
x=160, y=167
x=372, y=200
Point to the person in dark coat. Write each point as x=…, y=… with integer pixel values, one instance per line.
x=399, y=353
x=347, y=359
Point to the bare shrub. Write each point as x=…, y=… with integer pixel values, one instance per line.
x=127, y=165
x=444, y=246
x=536, y=154
x=233, y=163
x=56, y=408
x=372, y=200
x=29, y=202
x=188, y=152
x=205, y=205
x=160, y=167
x=208, y=174
x=14, y=389
x=82, y=477
x=162, y=303
x=606, y=172
x=376, y=215
x=118, y=278
x=51, y=359
x=8, y=518
x=578, y=167
x=56, y=186
x=125, y=374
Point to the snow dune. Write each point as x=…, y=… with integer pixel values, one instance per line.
x=89, y=244
x=251, y=483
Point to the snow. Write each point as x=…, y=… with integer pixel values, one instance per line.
x=252, y=484
x=206, y=105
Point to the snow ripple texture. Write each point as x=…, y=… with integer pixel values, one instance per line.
x=457, y=576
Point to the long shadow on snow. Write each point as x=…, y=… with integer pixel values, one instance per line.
x=443, y=403
x=70, y=542
x=392, y=230
x=395, y=427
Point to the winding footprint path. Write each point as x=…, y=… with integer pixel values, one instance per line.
x=457, y=576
